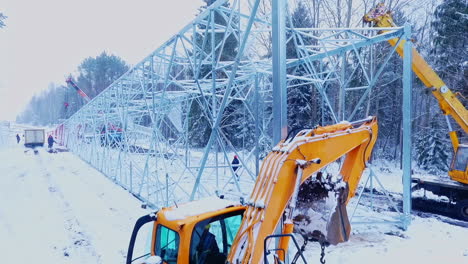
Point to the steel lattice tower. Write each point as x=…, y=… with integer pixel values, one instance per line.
x=206, y=95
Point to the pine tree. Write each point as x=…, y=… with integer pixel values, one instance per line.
x=450, y=43
x=433, y=152
x=300, y=99
x=227, y=52
x=98, y=73
x=239, y=126
x=199, y=125
x=449, y=53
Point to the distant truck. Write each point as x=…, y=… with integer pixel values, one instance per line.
x=34, y=138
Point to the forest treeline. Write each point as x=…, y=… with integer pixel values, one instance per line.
x=59, y=102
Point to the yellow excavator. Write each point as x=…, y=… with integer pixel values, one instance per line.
x=450, y=106
x=214, y=230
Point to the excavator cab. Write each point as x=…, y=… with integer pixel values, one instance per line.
x=198, y=232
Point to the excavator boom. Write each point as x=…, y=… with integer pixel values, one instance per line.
x=179, y=233
x=290, y=164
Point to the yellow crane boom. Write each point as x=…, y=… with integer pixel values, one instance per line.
x=448, y=101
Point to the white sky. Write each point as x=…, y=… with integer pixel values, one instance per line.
x=44, y=40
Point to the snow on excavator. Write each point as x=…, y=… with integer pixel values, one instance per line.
x=290, y=193
x=456, y=190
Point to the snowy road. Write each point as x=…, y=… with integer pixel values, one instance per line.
x=54, y=208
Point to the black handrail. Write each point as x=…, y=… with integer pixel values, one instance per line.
x=267, y=252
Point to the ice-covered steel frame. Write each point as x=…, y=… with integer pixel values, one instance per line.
x=279, y=56
x=407, y=114
x=167, y=130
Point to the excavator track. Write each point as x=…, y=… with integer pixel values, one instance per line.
x=422, y=206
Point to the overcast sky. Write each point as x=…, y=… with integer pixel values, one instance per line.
x=44, y=40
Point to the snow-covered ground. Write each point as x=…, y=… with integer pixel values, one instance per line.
x=54, y=208
x=428, y=241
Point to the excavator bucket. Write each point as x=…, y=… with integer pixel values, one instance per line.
x=321, y=210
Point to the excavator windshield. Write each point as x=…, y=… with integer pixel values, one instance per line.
x=167, y=244
x=212, y=238
x=173, y=235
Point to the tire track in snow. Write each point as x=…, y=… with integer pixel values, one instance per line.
x=36, y=224
x=52, y=201
x=12, y=197
x=107, y=211
x=80, y=242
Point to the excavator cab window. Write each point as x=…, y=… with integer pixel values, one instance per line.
x=460, y=159
x=212, y=238
x=167, y=244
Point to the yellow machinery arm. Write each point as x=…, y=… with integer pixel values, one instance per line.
x=179, y=232
x=291, y=163
x=448, y=102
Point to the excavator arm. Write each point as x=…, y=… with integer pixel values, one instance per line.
x=275, y=202
x=448, y=101
x=292, y=162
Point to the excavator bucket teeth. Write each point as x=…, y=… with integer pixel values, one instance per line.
x=321, y=210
